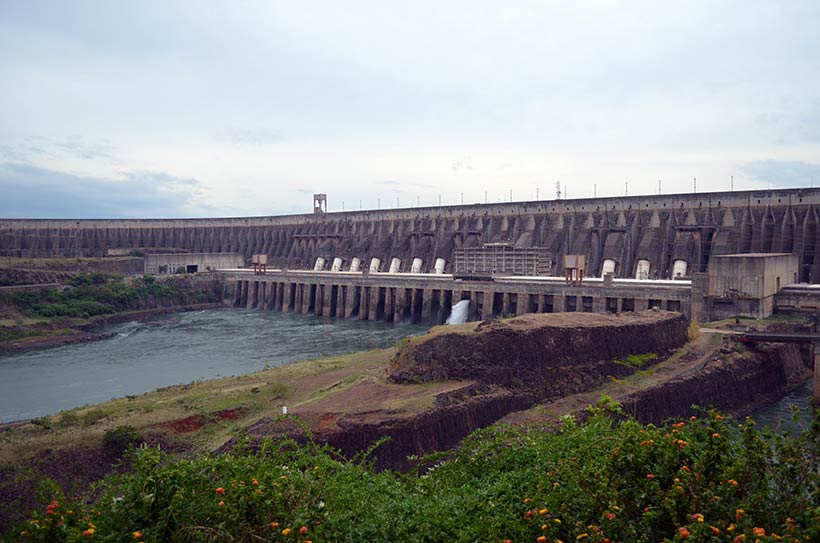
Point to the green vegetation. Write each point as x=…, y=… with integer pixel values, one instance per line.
x=119, y=439
x=100, y=294
x=604, y=479
x=637, y=361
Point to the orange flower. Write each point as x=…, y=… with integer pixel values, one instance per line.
x=650, y=475
x=220, y=490
x=715, y=530
x=303, y=530
x=286, y=531
x=255, y=482
x=697, y=517
x=274, y=524
x=760, y=532
x=89, y=533
x=137, y=535
x=732, y=482
x=716, y=434
x=221, y=504
x=541, y=539
x=683, y=532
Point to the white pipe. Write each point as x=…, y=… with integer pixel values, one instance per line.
x=395, y=265
x=320, y=264
x=608, y=267
x=439, y=267
x=355, y=264
x=416, y=266
x=642, y=272
x=679, y=268
x=337, y=264
x=374, y=265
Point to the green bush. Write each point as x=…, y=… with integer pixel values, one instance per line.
x=118, y=440
x=604, y=479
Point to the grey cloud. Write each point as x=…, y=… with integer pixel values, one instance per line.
x=30, y=191
x=786, y=173
x=35, y=148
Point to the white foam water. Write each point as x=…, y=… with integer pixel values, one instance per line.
x=459, y=313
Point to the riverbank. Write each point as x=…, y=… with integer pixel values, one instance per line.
x=73, y=313
x=88, y=331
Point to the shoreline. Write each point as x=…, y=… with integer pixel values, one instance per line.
x=86, y=332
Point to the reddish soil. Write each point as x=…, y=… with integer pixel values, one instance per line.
x=196, y=422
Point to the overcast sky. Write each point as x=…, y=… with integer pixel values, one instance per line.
x=156, y=109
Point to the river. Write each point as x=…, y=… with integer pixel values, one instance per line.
x=174, y=349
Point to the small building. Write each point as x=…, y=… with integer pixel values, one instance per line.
x=168, y=264
x=745, y=284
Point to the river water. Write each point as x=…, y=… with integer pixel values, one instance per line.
x=175, y=349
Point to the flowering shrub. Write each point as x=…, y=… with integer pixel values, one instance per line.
x=602, y=480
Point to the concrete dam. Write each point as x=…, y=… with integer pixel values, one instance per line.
x=659, y=236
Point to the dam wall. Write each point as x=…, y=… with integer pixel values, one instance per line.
x=663, y=232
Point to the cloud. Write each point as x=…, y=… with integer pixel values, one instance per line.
x=784, y=173
x=463, y=164
x=33, y=192
x=34, y=149
x=253, y=138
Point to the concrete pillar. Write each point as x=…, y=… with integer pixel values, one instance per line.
x=598, y=304
x=522, y=304
x=350, y=301
x=487, y=311
x=641, y=304
x=260, y=300
x=280, y=297
x=364, y=303
x=389, y=309
x=286, y=297
x=559, y=303
x=506, y=305
x=373, y=304
x=401, y=303
x=319, y=300
x=297, y=299
x=253, y=286
x=327, y=298
x=341, y=301
x=427, y=306
x=541, y=303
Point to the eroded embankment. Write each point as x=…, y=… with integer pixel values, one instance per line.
x=504, y=366
x=545, y=354
x=735, y=380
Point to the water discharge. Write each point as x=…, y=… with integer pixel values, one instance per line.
x=459, y=313
x=176, y=349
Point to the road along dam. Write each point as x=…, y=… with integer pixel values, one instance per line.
x=657, y=237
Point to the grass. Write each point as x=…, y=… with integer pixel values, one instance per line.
x=259, y=393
